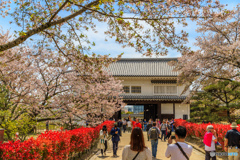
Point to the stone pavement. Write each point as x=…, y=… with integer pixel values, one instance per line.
x=162, y=146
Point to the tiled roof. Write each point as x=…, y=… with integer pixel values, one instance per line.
x=143, y=67
x=154, y=97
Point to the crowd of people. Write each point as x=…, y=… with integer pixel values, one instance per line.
x=156, y=130
x=166, y=126
x=166, y=130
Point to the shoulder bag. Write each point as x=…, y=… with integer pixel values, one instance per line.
x=136, y=156
x=182, y=151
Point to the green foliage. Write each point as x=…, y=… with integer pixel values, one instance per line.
x=23, y=126
x=238, y=121
x=215, y=100
x=14, y=118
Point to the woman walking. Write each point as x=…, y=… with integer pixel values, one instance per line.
x=158, y=123
x=103, y=140
x=137, y=149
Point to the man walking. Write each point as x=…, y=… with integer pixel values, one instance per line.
x=169, y=130
x=120, y=124
x=149, y=125
x=153, y=133
x=163, y=130
x=231, y=143
x=115, y=132
x=135, y=124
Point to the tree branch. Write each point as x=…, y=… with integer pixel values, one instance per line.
x=41, y=28
x=131, y=18
x=46, y=119
x=59, y=9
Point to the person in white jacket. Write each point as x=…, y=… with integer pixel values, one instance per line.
x=103, y=140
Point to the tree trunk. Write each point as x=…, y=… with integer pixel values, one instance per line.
x=229, y=117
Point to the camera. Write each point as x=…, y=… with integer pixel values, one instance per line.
x=173, y=135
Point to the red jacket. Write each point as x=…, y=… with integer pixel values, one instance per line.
x=135, y=124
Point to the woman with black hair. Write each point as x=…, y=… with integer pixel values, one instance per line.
x=103, y=140
x=137, y=149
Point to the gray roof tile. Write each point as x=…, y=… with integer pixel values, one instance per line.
x=142, y=67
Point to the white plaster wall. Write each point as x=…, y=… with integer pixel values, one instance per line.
x=148, y=87
x=167, y=108
x=181, y=109
x=180, y=90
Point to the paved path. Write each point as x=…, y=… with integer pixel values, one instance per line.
x=162, y=146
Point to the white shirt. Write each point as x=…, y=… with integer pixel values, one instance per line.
x=212, y=148
x=102, y=135
x=124, y=122
x=129, y=124
x=174, y=152
x=128, y=154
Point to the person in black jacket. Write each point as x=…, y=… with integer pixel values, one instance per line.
x=115, y=132
x=120, y=125
x=232, y=142
x=149, y=125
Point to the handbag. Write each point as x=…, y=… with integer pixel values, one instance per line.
x=182, y=151
x=136, y=156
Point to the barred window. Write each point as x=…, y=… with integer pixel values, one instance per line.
x=165, y=89
x=171, y=89
x=126, y=89
x=136, y=89
x=159, y=89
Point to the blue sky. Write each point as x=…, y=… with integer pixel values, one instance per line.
x=114, y=49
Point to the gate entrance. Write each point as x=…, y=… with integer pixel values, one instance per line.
x=150, y=111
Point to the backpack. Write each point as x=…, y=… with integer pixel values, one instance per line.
x=163, y=126
x=153, y=134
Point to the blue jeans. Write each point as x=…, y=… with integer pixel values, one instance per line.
x=115, y=147
x=163, y=134
x=145, y=127
x=154, y=147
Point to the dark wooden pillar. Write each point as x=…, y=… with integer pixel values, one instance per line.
x=174, y=110
x=159, y=112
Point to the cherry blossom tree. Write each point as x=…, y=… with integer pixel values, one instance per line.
x=48, y=86
x=217, y=58
x=47, y=65
x=146, y=25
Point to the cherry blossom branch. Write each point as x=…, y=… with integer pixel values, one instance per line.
x=41, y=28
x=64, y=4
